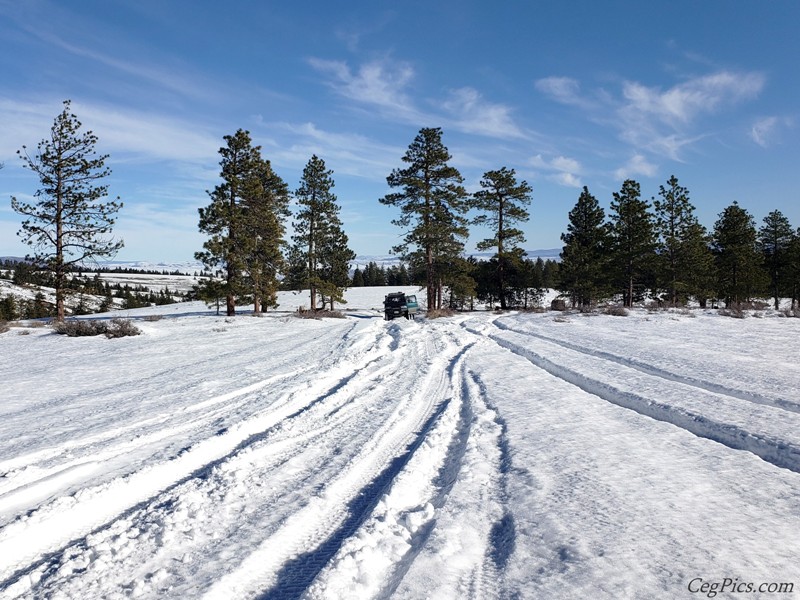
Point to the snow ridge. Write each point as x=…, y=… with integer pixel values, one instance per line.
x=767, y=437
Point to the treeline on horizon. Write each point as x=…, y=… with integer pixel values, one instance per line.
x=641, y=250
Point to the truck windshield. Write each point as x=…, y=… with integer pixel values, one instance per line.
x=395, y=301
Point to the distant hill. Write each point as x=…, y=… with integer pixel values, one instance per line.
x=190, y=267
x=387, y=260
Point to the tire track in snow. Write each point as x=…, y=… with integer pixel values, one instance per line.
x=46, y=463
x=769, y=438
x=290, y=558
x=67, y=519
x=465, y=554
x=788, y=405
x=345, y=409
x=156, y=519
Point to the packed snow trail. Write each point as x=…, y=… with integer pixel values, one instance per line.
x=768, y=431
x=474, y=457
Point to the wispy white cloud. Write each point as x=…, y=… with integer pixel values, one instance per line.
x=562, y=170
x=377, y=83
x=762, y=130
x=682, y=103
x=385, y=84
x=766, y=131
x=171, y=79
x=345, y=153
x=471, y=113
x=637, y=165
x=565, y=90
x=132, y=133
x=662, y=121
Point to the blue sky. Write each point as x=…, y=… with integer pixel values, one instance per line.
x=566, y=93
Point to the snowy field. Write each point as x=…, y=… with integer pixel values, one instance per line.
x=480, y=456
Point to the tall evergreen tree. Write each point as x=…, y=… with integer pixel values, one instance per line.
x=358, y=278
x=265, y=207
x=503, y=201
x=738, y=261
x=432, y=204
x=794, y=268
x=774, y=240
x=584, y=262
x=229, y=219
x=697, y=262
x=71, y=220
x=632, y=240
x=334, y=263
x=675, y=222
x=320, y=241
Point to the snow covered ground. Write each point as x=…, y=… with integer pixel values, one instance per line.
x=481, y=456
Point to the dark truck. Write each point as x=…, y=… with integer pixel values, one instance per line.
x=398, y=305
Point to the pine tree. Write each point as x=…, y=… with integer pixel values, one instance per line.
x=320, y=242
x=358, y=278
x=738, y=261
x=432, y=207
x=675, y=222
x=334, y=262
x=774, y=240
x=794, y=267
x=225, y=219
x=71, y=220
x=8, y=309
x=504, y=200
x=584, y=257
x=632, y=240
x=265, y=208
x=697, y=263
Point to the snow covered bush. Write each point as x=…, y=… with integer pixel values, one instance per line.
x=121, y=328
x=74, y=328
x=79, y=328
x=616, y=311
x=319, y=314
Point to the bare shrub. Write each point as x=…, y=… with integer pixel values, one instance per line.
x=735, y=312
x=303, y=313
x=615, y=310
x=561, y=320
x=653, y=306
x=438, y=313
x=791, y=312
x=24, y=332
x=4, y=326
x=80, y=328
x=83, y=328
x=533, y=309
x=121, y=328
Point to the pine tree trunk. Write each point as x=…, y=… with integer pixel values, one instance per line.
x=60, y=312
x=500, y=266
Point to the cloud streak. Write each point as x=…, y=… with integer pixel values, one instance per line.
x=563, y=171
x=377, y=83
x=663, y=121
x=132, y=133
x=385, y=85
